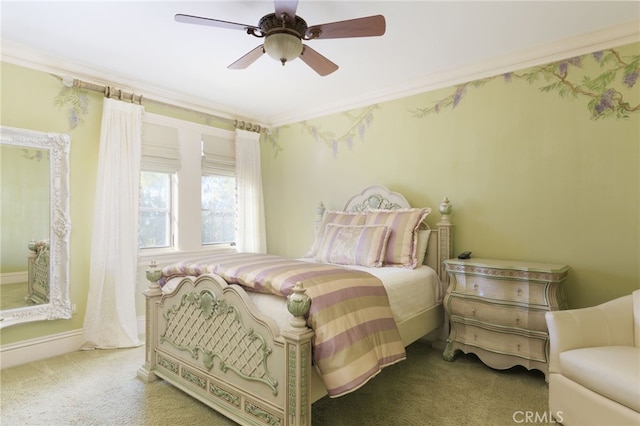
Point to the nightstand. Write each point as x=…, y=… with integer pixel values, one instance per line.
x=496, y=310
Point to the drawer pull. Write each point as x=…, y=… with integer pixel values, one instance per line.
x=519, y=347
x=519, y=291
x=473, y=312
x=475, y=286
x=517, y=319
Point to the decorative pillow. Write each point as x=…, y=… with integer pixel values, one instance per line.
x=422, y=245
x=337, y=217
x=354, y=245
x=402, y=245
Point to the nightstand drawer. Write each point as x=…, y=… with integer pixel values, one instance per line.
x=500, y=342
x=500, y=314
x=524, y=292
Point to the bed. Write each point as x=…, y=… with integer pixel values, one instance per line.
x=38, y=272
x=232, y=341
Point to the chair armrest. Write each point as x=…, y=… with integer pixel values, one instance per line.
x=608, y=324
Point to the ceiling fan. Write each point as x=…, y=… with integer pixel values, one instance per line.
x=283, y=33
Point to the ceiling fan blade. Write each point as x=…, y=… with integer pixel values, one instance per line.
x=369, y=26
x=189, y=19
x=247, y=59
x=317, y=62
x=286, y=7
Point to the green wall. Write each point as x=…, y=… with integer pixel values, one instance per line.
x=28, y=101
x=38, y=101
x=531, y=174
x=24, y=179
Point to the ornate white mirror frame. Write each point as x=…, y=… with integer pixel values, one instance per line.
x=59, y=305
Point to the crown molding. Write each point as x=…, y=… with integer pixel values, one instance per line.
x=18, y=54
x=586, y=43
x=575, y=46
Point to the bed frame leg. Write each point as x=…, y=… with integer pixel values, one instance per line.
x=152, y=294
x=298, y=352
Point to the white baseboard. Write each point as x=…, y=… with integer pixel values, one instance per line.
x=45, y=347
x=40, y=348
x=14, y=277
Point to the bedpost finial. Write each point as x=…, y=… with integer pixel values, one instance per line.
x=298, y=304
x=153, y=273
x=445, y=209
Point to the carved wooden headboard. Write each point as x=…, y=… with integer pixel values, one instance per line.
x=440, y=246
x=376, y=197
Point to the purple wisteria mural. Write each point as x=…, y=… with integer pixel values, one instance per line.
x=606, y=93
x=357, y=123
x=76, y=102
x=35, y=154
x=271, y=137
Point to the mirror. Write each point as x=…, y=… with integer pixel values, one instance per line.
x=35, y=226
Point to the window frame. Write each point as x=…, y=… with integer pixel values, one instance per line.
x=186, y=221
x=172, y=212
x=203, y=210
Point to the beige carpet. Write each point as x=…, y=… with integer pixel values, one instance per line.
x=100, y=388
x=14, y=296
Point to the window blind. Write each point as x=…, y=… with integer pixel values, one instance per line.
x=160, y=148
x=218, y=156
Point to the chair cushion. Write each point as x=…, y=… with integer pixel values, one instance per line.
x=611, y=371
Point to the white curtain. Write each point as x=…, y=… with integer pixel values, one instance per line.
x=110, y=319
x=251, y=234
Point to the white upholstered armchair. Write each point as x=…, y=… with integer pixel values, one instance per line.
x=594, y=367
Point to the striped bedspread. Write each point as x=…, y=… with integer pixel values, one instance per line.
x=355, y=335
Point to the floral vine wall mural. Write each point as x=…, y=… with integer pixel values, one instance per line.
x=73, y=96
x=35, y=154
x=77, y=103
x=271, y=137
x=605, y=92
x=357, y=123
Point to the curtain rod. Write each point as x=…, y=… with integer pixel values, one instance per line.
x=114, y=93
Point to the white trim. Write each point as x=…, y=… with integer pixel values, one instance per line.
x=575, y=46
x=25, y=56
x=163, y=120
x=40, y=348
x=618, y=35
x=14, y=277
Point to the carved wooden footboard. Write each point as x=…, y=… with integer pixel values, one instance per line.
x=207, y=339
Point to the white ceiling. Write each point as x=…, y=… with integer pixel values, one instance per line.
x=138, y=45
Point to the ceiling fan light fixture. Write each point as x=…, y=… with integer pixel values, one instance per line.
x=283, y=46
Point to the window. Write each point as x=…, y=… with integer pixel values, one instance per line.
x=155, y=210
x=218, y=209
x=218, y=190
x=159, y=164
x=187, y=187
